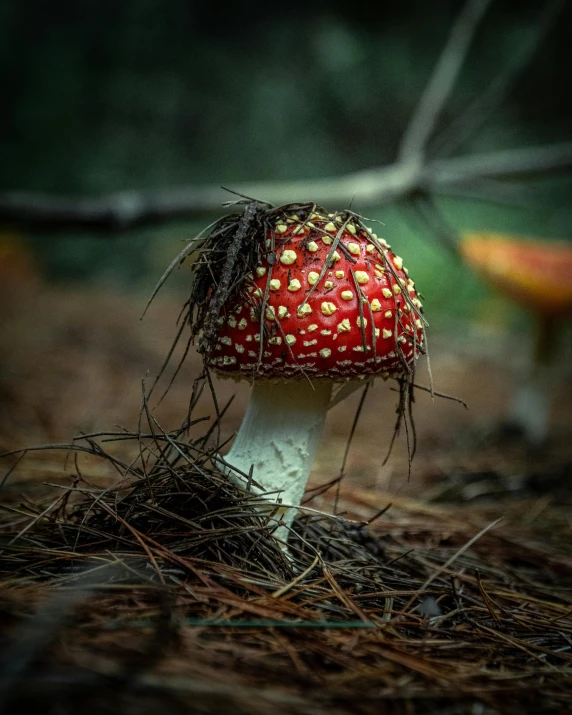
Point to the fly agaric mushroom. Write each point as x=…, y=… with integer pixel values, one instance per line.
x=538, y=276
x=316, y=299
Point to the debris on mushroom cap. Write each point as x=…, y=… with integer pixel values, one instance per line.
x=536, y=274
x=330, y=300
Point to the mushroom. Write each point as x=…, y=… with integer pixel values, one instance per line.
x=325, y=302
x=538, y=276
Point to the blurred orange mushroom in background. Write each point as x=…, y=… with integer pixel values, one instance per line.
x=538, y=276
x=18, y=265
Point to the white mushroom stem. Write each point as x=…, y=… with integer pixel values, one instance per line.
x=278, y=438
x=530, y=406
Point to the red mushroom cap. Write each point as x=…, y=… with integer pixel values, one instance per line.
x=536, y=274
x=337, y=302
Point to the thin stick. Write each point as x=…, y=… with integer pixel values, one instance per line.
x=479, y=110
x=442, y=80
x=349, y=444
x=453, y=558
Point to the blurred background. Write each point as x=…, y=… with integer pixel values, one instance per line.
x=141, y=95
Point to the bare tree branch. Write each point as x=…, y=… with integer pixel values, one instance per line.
x=496, y=191
x=479, y=110
x=507, y=163
x=412, y=175
x=371, y=187
x=442, y=80
x=429, y=214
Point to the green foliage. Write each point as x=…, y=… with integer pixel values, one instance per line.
x=107, y=96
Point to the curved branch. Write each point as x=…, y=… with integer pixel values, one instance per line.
x=442, y=80
x=372, y=187
x=411, y=175
x=466, y=124
x=501, y=164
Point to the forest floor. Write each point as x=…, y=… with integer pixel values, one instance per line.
x=73, y=361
